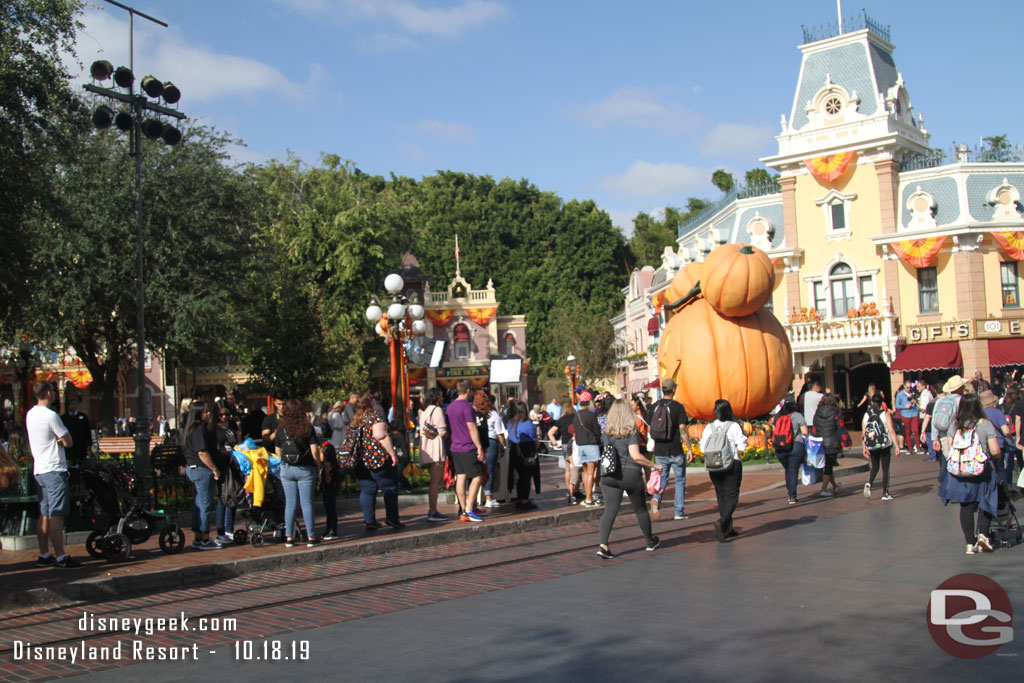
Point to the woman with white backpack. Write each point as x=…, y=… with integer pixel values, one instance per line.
x=972, y=467
x=725, y=475
x=879, y=435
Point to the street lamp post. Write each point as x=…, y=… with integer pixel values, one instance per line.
x=131, y=122
x=398, y=319
x=572, y=373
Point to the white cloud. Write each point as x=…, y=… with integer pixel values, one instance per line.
x=645, y=179
x=635, y=108
x=408, y=16
x=623, y=220
x=447, y=132
x=378, y=43
x=202, y=74
x=737, y=140
x=413, y=153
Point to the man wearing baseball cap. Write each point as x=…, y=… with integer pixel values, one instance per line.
x=672, y=457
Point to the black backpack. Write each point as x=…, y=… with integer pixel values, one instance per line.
x=290, y=453
x=661, y=422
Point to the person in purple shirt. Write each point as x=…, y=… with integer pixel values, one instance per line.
x=467, y=451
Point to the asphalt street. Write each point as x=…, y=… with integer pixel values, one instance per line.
x=807, y=597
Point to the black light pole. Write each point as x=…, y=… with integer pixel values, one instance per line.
x=153, y=129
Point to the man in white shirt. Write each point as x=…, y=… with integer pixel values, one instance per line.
x=47, y=438
x=554, y=409
x=811, y=400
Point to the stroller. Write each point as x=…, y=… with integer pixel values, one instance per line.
x=1005, y=529
x=264, y=520
x=119, y=520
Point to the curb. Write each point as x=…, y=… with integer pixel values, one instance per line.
x=101, y=588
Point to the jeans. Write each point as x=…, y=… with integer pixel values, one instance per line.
x=493, y=451
x=225, y=517
x=791, y=462
x=632, y=482
x=880, y=456
x=329, y=493
x=202, y=480
x=298, y=482
x=727, y=490
x=386, y=480
x=676, y=464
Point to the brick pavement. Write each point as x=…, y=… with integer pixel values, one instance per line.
x=319, y=594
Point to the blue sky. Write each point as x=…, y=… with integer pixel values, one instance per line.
x=631, y=104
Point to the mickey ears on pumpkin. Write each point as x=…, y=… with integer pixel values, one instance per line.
x=684, y=299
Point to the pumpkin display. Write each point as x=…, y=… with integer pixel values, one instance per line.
x=748, y=428
x=757, y=441
x=737, y=279
x=746, y=360
x=683, y=282
x=695, y=431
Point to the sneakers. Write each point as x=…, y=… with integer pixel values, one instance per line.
x=590, y=503
x=289, y=543
x=436, y=517
x=470, y=516
x=46, y=561
x=208, y=544
x=653, y=545
x=226, y=539
x=886, y=496
x=791, y=501
x=984, y=544
x=719, y=531
x=66, y=562
x=867, y=490
x=971, y=549
x=604, y=552
x=827, y=493
x=493, y=504
x=329, y=537
x=571, y=500
x=373, y=526
x=394, y=524
x=681, y=516
x=480, y=512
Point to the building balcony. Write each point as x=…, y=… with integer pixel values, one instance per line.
x=843, y=333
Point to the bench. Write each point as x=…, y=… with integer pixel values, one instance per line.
x=124, y=444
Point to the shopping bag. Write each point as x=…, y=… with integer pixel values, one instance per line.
x=809, y=475
x=654, y=483
x=1020, y=480
x=815, y=452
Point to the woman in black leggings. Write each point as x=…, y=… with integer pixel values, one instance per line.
x=878, y=441
x=621, y=433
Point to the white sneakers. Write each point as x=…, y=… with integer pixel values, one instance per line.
x=492, y=504
x=867, y=490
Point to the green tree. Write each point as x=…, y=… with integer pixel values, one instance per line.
x=588, y=336
x=39, y=117
x=83, y=270
x=999, y=148
x=757, y=176
x=723, y=181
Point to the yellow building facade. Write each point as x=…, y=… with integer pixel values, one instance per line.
x=894, y=260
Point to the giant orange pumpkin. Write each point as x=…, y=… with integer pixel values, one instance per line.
x=683, y=282
x=745, y=360
x=737, y=279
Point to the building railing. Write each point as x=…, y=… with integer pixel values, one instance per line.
x=962, y=154
x=737, y=192
x=850, y=24
x=864, y=331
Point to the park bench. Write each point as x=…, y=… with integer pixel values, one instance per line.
x=124, y=444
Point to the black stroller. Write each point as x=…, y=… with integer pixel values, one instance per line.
x=120, y=522
x=263, y=521
x=1005, y=529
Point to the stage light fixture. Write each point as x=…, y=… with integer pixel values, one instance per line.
x=171, y=93
x=123, y=121
x=152, y=129
x=172, y=135
x=124, y=77
x=101, y=70
x=103, y=116
x=152, y=87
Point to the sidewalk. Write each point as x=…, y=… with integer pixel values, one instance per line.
x=149, y=569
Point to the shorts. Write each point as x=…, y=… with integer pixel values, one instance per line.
x=53, y=494
x=466, y=463
x=589, y=453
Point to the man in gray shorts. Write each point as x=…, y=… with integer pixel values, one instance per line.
x=48, y=437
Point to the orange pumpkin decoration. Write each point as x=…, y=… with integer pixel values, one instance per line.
x=748, y=428
x=757, y=441
x=745, y=360
x=695, y=431
x=737, y=279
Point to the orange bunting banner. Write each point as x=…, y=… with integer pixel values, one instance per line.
x=80, y=378
x=919, y=253
x=659, y=301
x=1012, y=243
x=450, y=382
x=440, y=318
x=481, y=316
x=416, y=374
x=831, y=166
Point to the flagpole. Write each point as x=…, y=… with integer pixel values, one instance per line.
x=458, y=272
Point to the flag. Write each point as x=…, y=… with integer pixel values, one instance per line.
x=456, y=247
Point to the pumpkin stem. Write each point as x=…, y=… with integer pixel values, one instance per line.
x=746, y=249
x=684, y=299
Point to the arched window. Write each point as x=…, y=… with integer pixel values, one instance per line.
x=841, y=285
x=510, y=343
x=461, y=338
